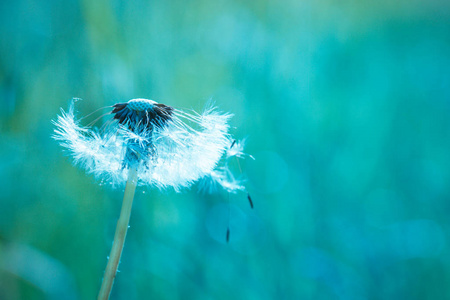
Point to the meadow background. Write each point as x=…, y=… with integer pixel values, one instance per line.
x=345, y=106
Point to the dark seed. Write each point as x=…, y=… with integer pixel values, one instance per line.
x=250, y=200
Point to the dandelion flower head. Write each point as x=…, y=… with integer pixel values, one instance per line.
x=169, y=147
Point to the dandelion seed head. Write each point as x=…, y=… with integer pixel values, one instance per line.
x=169, y=147
x=142, y=115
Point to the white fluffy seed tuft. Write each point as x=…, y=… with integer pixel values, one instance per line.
x=189, y=148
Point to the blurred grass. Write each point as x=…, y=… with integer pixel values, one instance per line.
x=345, y=106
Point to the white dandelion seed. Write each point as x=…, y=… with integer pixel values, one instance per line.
x=169, y=147
x=148, y=143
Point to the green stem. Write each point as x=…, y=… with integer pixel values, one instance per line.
x=119, y=237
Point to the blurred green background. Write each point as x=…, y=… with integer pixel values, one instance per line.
x=346, y=108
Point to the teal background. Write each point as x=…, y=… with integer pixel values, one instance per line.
x=345, y=106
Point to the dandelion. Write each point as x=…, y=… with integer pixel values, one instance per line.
x=149, y=143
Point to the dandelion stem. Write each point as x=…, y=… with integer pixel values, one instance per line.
x=119, y=237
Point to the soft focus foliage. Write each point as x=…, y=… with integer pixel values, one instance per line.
x=346, y=108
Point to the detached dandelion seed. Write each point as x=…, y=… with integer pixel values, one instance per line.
x=149, y=143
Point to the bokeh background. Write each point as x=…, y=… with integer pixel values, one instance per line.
x=345, y=107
